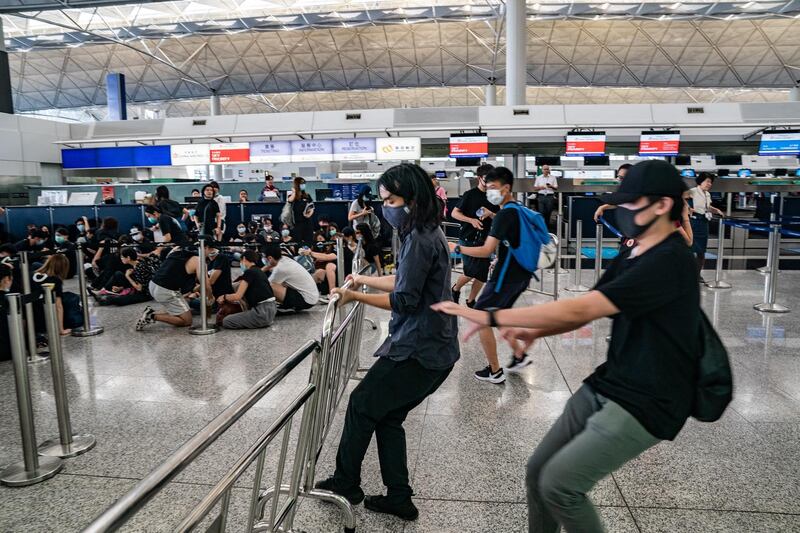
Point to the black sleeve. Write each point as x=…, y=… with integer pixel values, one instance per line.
x=463, y=203
x=502, y=224
x=650, y=283
x=249, y=276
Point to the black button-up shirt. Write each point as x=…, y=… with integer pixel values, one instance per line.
x=422, y=279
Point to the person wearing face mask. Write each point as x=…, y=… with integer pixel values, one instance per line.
x=268, y=232
x=416, y=357
x=370, y=248
x=700, y=214
x=254, y=289
x=170, y=229
x=362, y=213
x=303, y=211
x=622, y=171
x=207, y=216
x=294, y=288
x=142, y=264
x=475, y=213
x=288, y=245
x=33, y=243
x=503, y=235
x=64, y=246
x=645, y=390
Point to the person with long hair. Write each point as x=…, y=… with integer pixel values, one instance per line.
x=68, y=311
x=362, y=213
x=415, y=358
x=303, y=210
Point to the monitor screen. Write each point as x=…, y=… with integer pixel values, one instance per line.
x=469, y=145
x=728, y=159
x=552, y=160
x=441, y=174
x=664, y=143
x=468, y=161
x=593, y=143
x=596, y=161
x=683, y=160
x=786, y=142
x=744, y=173
x=781, y=172
x=688, y=173
x=723, y=172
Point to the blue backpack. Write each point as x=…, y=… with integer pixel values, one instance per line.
x=533, y=235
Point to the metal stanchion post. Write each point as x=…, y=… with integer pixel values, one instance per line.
x=32, y=469
x=598, y=251
x=577, y=286
x=204, y=328
x=718, y=283
x=771, y=282
x=340, y=261
x=87, y=330
x=766, y=269
x=67, y=445
x=30, y=328
x=557, y=266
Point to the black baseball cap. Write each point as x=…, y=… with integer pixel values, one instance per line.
x=648, y=178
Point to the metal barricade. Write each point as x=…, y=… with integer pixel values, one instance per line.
x=577, y=286
x=204, y=328
x=30, y=327
x=32, y=469
x=718, y=283
x=67, y=444
x=771, y=281
x=87, y=330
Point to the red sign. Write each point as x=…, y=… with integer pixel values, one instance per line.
x=659, y=143
x=469, y=146
x=586, y=144
x=230, y=153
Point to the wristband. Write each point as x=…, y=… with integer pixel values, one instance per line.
x=457, y=249
x=492, y=318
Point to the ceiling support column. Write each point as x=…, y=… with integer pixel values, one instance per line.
x=516, y=48
x=215, y=171
x=6, y=100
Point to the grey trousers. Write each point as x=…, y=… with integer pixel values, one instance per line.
x=260, y=316
x=593, y=437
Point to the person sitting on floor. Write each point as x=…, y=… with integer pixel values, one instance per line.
x=294, y=288
x=143, y=268
x=255, y=290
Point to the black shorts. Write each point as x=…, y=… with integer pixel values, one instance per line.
x=505, y=299
x=476, y=267
x=294, y=301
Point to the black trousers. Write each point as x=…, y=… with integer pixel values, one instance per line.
x=380, y=404
x=547, y=204
x=117, y=279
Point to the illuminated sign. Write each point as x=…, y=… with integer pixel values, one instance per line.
x=354, y=149
x=271, y=152
x=190, y=154
x=398, y=148
x=312, y=150
x=469, y=145
x=586, y=143
x=220, y=154
x=659, y=143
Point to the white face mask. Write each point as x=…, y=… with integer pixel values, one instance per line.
x=494, y=196
x=137, y=237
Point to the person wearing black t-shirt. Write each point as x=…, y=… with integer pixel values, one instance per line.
x=255, y=290
x=645, y=390
x=167, y=287
x=475, y=213
x=503, y=235
x=170, y=229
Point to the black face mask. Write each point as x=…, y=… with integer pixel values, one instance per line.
x=626, y=221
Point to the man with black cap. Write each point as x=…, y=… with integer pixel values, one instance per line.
x=644, y=392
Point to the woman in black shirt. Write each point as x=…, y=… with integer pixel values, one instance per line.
x=303, y=211
x=254, y=289
x=415, y=358
x=207, y=215
x=370, y=247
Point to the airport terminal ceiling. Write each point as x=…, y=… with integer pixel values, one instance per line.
x=263, y=56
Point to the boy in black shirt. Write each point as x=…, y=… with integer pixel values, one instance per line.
x=255, y=290
x=475, y=213
x=504, y=233
x=644, y=392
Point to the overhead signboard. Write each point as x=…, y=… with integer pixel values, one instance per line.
x=469, y=145
x=354, y=149
x=312, y=150
x=786, y=142
x=664, y=143
x=116, y=157
x=398, y=148
x=271, y=152
x=593, y=143
x=220, y=154
x=190, y=154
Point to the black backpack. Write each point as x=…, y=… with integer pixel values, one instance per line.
x=714, y=388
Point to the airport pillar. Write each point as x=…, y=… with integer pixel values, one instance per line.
x=115, y=97
x=215, y=171
x=6, y=100
x=490, y=93
x=516, y=48
x=794, y=94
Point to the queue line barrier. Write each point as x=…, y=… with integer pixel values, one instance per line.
x=334, y=361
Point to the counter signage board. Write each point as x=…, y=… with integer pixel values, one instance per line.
x=579, y=144
x=469, y=145
x=220, y=154
x=398, y=148
x=665, y=144
x=190, y=154
x=312, y=150
x=354, y=149
x=785, y=142
x=271, y=152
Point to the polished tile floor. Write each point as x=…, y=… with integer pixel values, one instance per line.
x=143, y=394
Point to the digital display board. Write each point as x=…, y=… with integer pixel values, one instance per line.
x=220, y=154
x=665, y=143
x=786, y=142
x=116, y=157
x=354, y=149
x=190, y=154
x=593, y=143
x=398, y=148
x=688, y=173
x=744, y=173
x=312, y=150
x=469, y=145
x=271, y=152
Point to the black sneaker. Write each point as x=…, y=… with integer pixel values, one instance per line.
x=381, y=504
x=354, y=495
x=492, y=377
x=516, y=365
x=146, y=318
x=456, y=294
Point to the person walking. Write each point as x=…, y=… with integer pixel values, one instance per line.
x=415, y=358
x=645, y=391
x=701, y=213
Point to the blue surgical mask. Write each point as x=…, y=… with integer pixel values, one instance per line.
x=192, y=212
x=285, y=233
x=241, y=230
x=243, y=268
x=152, y=220
x=237, y=255
x=332, y=232
x=302, y=186
x=81, y=228
x=396, y=216
x=60, y=239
